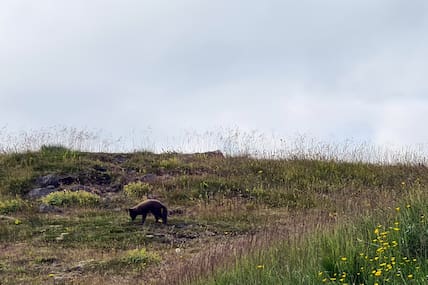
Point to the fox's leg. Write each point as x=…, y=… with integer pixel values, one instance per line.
x=164, y=216
x=157, y=214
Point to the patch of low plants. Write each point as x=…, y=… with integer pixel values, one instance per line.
x=169, y=163
x=11, y=205
x=137, y=189
x=71, y=198
x=140, y=256
x=131, y=259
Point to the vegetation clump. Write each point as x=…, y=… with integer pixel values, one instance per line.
x=137, y=189
x=140, y=257
x=71, y=198
x=11, y=206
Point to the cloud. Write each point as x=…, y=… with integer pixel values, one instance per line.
x=331, y=69
x=402, y=122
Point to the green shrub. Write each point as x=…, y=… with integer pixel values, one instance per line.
x=140, y=256
x=137, y=189
x=10, y=206
x=70, y=198
x=18, y=182
x=169, y=163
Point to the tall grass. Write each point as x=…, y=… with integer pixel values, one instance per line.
x=389, y=246
x=231, y=141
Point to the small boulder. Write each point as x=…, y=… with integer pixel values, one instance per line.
x=80, y=187
x=48, y=180
x=149, y=177
x=45, y=208
x=216, y=153
x=67, y=180
x=41, y=192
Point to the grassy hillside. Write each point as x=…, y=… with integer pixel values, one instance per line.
x=226, y=212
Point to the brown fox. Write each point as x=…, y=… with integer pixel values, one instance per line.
x=150, y=205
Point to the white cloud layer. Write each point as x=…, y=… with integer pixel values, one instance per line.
x=331, y=69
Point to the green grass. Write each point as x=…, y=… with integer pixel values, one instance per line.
x=222, y=199
x=12, y=205
x=137, y=189
x=269, y=181
x=390, y=246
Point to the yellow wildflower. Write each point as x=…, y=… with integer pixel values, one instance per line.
x=378, y=273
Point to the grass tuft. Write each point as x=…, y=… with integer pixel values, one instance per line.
x=71, y=198
x=12, y=205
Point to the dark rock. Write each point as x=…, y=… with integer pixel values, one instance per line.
x=100, y=168
x=120, y=159
x=94, y=177
x=116, y=187
x=181, y=225
x=67, y=180
x=44, y=208
x=103, y=179
x=40, y=192
x=216, y=153
x=48, y=180
x=150, y=177
x=161, y=171
x=80, y=187
x=48, y=260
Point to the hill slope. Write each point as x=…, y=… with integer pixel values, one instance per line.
x=220, y=209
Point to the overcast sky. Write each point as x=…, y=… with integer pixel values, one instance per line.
x=330, y=69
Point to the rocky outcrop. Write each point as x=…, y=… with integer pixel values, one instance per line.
x=41, y=192
x=149, y=177
x=48, y=180
x=44, y=208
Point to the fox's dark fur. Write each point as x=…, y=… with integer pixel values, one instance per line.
x=149, y=206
